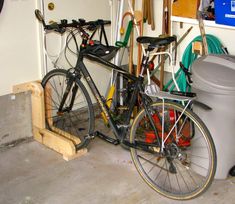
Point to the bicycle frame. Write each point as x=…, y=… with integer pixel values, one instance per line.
x=119, y=131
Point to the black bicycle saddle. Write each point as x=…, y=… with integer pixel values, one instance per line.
x=156, y=41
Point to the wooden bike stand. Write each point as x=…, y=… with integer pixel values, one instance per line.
x=63, y=143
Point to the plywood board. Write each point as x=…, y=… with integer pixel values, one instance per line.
x=185, y=8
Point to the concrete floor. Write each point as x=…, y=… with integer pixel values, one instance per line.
x=30, y=173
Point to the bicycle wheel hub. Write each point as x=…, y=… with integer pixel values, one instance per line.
x=172, y=151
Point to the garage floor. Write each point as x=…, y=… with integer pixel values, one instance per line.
x=30, y=173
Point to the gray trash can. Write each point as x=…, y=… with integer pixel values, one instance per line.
x=214, y=82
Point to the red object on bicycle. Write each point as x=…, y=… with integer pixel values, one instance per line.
x=91, y=42
x=172, y=116
x=151, y=65
x=149, y=137
x=182, y=142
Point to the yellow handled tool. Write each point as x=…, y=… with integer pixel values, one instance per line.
x=108, y=102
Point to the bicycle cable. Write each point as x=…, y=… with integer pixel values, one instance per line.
x=71, y=36
x=54, y=58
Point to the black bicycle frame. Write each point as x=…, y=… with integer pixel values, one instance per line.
x=118, y=131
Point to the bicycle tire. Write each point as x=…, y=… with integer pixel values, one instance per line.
x=186, y=169
x=77, y=120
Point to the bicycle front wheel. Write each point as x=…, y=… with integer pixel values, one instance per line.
x=185, y=165
x=76, y=115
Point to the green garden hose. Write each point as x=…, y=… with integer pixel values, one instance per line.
x=214, y=47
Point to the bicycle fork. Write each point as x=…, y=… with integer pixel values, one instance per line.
x=70, y=84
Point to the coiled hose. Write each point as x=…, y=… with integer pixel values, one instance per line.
x=214, y=47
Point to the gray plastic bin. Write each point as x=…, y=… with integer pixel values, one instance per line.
x=214, y=82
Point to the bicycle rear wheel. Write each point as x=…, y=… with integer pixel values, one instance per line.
x=185, y=166
x=76, y=117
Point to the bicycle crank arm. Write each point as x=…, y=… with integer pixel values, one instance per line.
x=150, y=148
x=106, y=138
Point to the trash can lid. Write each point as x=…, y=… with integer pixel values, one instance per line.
x=214, y=73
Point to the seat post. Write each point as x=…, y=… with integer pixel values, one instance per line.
x=144, y=63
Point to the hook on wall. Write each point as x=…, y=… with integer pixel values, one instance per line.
x=51, y=6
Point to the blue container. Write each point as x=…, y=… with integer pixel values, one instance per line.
x=225, y=12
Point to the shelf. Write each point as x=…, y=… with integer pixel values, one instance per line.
x=195, y=22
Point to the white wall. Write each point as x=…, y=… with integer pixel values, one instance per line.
x=75, y=9
x=19, y=53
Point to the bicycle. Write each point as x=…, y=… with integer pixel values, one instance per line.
x=170, y=146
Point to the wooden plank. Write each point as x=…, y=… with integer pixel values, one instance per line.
x=60, y=144
x=19, y=88
x=197, y=48
x=36, y=134
x=67, y=135
x=38, y=108
x=57, y=142
x=48, y=104
x=203, y=34
x=164, y=17
x=78, y=154
x=139, y=52
x=152, y=14
x=131, y=46
x=169, y=6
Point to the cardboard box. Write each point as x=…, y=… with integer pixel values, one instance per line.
x=225, y=12
x=185, y=8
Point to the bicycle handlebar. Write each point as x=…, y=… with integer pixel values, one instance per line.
x=79, y=24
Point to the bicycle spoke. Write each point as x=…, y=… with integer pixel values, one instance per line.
x=178, y=182
x=77, y=113
x=188, y=172
x=183, y=179
x=184, y=170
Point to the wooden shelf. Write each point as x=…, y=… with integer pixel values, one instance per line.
x=195, y=22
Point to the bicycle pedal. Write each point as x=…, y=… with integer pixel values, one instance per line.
x=107, y=138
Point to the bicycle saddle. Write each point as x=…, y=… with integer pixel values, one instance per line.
x=156, y=41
